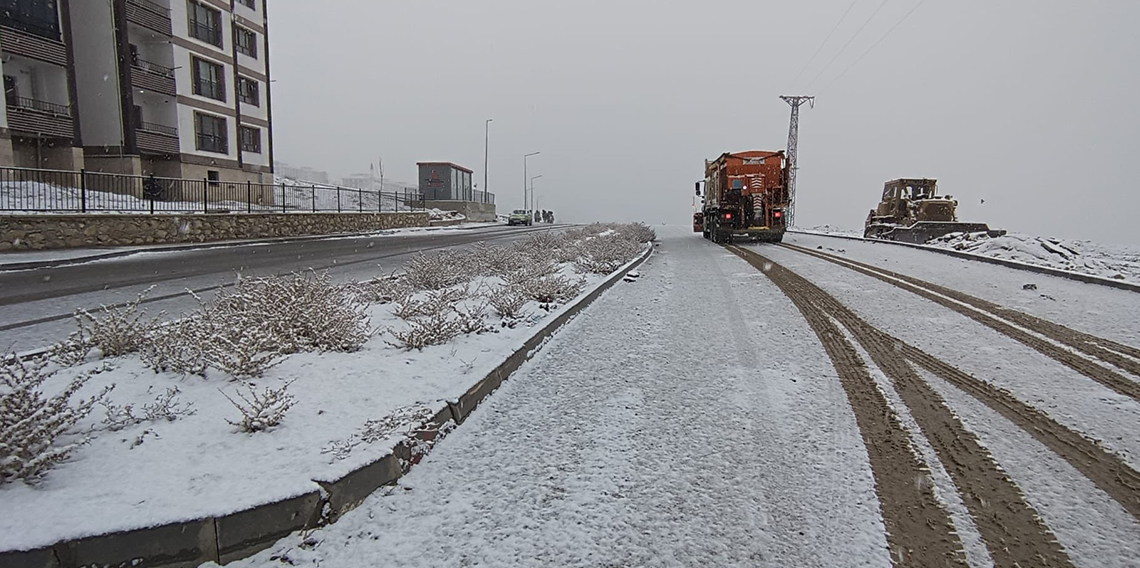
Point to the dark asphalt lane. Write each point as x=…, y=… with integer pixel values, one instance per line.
x=36, y=305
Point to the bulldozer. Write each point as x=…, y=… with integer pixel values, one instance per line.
x=911, y=211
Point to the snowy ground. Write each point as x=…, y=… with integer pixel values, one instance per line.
x=1118, y=262
x=199, y=465
x=616, y=446
x=1099, y=310
x=692, y=418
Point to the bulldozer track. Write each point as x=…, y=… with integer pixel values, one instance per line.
x=1013, y=532
x=1014, y=324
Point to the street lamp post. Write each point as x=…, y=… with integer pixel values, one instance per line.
x=524, y=175
x=532, y=191
x=486, y=147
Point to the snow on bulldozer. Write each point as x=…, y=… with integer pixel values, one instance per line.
x=911, y=211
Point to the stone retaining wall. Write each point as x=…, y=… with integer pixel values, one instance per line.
x=39, y=232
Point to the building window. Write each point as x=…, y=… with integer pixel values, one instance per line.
x=248, y=91
x=205, y=23
x=251, y=139
x=247, y=4
x=209, y=80
x=38, y=17
x=211, y=133
x=246, y=42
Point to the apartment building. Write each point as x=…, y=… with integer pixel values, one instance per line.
x=39, y=122
x=174, y=88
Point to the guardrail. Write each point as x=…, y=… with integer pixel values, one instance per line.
x=30, y=190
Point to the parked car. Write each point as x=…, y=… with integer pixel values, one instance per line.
x=520, y=217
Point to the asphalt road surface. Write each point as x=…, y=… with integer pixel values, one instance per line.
x=37, y=305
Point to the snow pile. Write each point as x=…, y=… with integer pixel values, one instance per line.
x=1119, y=263
x=830, y=230
x=441, y=215
x=192, y=417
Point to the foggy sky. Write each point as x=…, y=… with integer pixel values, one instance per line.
x=1029, y=105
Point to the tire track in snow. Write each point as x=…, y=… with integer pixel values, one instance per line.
x=920, y=532
x=1115, y=353
x=1013, y=531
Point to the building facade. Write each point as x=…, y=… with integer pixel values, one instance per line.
x=39, y=122
x=445, y=181
x=174, y=88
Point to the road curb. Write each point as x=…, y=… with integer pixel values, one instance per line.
x=1086, y=278
x=242, y=534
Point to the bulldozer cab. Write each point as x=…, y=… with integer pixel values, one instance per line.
x=910, y=189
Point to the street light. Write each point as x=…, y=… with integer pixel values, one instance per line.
x=524, y=175
x=532, y=190
x=486, y=146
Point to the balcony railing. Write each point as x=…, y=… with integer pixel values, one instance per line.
x=149, y=15
x=39, y=106
x=152, y=6
x=155, y=68
x=158, y=128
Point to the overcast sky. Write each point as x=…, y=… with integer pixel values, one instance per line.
x=1029, y=105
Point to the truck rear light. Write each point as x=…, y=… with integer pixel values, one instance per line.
x=728, y=215
x=777, y=214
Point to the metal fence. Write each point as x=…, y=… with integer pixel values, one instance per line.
x=30, y=190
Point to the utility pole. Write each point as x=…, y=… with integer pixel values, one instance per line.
x=525, y=193
x=532, y=190
x=486, y=149
x=793, y=142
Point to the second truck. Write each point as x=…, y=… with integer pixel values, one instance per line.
x=745, y=197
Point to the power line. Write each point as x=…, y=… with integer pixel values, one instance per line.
x=844, y=48
x=825, y=40
x=874, y=45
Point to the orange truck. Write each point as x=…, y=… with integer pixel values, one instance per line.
x=745, y=197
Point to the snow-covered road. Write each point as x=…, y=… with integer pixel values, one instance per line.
x=693, y=417
x=689, y=418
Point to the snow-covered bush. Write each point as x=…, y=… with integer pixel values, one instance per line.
x=509, y=303
x=434, y=303
x=605, y=253
x=302, y=312
x=436, y=270
x=115, y=330
x=427, y=330
x=381, y=290
x=243, y=352
x=36, y=431
x=261, y=411
x=493, y=260
x=473, y=318
x=639, y=232
x=165, y=407
x=402, y=420
x=553, y=289
x=179, y=347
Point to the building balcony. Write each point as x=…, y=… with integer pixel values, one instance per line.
x=152, y=77
x=39, y=118
x=150, y=15
x=157, y=139
x=32, y=46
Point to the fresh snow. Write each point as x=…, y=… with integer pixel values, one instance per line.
x=200, y=466
x=689, y=418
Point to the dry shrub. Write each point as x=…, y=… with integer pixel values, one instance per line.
x=436, y=270
x=508, y=302
x=34, y=428
x=261, y=411
x=165, y=407
x=603, y=254
x=425, y=331
x=115, y=331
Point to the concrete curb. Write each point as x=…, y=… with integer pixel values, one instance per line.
x=1086, y=278
x=244, y=533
